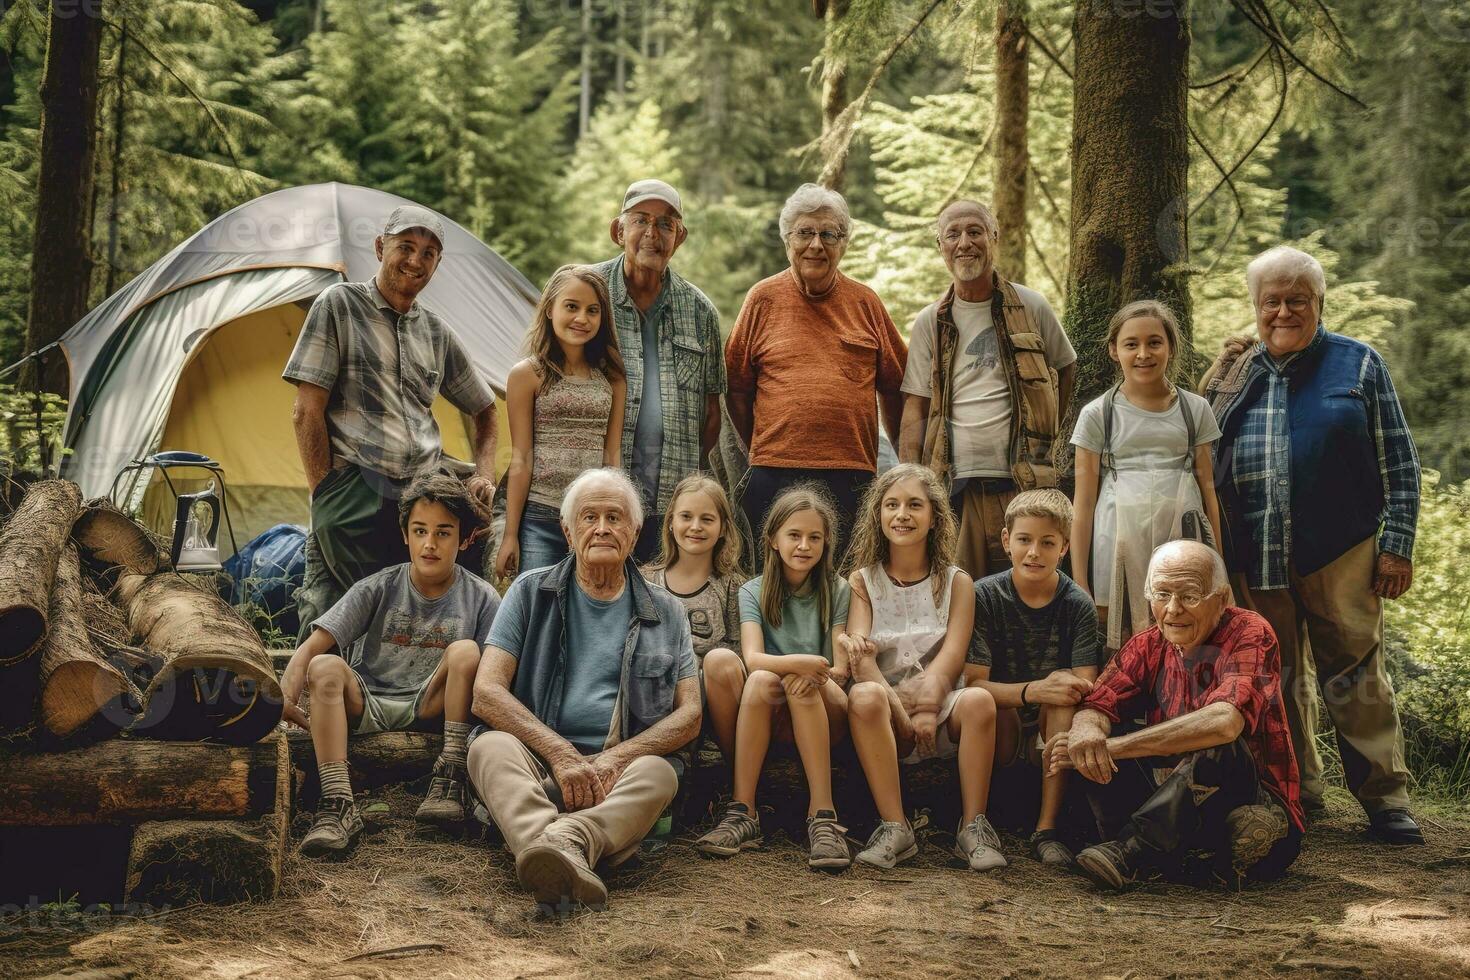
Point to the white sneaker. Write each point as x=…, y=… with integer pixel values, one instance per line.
x=979, y=844
x=891, y=844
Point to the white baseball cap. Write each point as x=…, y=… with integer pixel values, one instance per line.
x=407, y=216
x=652, y=189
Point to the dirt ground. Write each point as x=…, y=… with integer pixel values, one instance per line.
x=411, y=903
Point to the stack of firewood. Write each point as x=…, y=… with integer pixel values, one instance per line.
x=99, y=636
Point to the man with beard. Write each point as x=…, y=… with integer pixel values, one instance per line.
x=368, y=364
x=989, y=376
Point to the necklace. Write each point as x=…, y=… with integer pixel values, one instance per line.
x=901, y=583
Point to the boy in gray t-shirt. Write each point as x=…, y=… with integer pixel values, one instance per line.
x=411, y=636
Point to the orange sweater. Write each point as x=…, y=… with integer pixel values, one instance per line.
x=812, y=367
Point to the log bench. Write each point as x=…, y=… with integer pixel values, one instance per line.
x=145, y=822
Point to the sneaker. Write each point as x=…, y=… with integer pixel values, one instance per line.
x=554, y=869
x=1253, y=830
x=737, y=831
x=1395, y=826
x=979, y=844
x=335, y=829
x=1047, y=848
x=1107, y=864
x=891, y=844
x=828, y=848
x=444, y=804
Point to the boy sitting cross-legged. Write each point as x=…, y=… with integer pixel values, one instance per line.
x=1035, y=647
x=412, y=635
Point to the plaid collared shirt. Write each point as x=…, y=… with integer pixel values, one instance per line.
x=691, y=359
x=1261, y=462
x=383, y=371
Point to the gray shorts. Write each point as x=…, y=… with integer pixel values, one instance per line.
x=384, y=713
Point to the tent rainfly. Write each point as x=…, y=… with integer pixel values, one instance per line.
x=189, y=354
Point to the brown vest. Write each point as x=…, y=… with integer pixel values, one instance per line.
x=1033, y=384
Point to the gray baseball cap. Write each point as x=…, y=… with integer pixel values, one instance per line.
x=407, y=216
x=652, y=189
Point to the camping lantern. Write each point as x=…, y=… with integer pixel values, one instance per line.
x=195, y=546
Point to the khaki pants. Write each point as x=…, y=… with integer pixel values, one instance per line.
x=1334, y=615
x=982, y=517
x=508, y=777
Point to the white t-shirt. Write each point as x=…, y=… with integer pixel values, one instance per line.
x=982, y=398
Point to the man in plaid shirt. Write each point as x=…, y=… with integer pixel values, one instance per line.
x=1212, y=771
x=367, y=367
x=1318, y=483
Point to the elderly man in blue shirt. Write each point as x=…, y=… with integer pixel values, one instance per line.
x=1319, y=492
x=589, y=680
x=669, y=332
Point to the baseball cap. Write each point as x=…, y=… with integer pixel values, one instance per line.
x=407, y=216
x=652, y=189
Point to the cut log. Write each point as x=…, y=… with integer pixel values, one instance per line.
x=379, y=759
x=216, y=681
x=133, y=780
x=82, y=694
x=181, y=862
x=110, y=540
x=30, y=546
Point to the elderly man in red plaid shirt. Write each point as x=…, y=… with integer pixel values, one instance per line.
x=1208, y=787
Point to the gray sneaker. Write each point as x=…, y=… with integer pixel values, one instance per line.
x=554, y=869
x=891, y=844
x=828, y=848
x=979, y=844
x=737, y=831
x=444, y=804
x=336, y=827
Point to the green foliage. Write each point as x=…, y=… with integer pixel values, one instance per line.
x=26, y=449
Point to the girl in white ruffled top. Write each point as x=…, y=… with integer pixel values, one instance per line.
x=908, y=630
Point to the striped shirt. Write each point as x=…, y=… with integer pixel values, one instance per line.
x=383, y=371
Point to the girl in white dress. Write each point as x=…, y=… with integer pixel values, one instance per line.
x=1144, y=471
x=908, y=630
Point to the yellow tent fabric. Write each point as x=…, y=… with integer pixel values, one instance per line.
x=232, y=405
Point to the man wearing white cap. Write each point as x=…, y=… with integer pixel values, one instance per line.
x=367, y=367
x=669, y=332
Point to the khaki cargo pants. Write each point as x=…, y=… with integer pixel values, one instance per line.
x=1330, y=627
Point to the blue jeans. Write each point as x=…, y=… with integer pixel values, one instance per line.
x=541, y=540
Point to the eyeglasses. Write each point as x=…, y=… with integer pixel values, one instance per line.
x=805, y=236
x=1189, y=600
x=1297, y=304
x=665, y=224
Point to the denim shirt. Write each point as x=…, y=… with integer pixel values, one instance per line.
x=657, y=653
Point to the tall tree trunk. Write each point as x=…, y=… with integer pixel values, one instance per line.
x=620, y=62
x=584, y=98
x=1129, y=208
x=1012, y=156
x=834, y=80
x=61, y=254
x=119, y=141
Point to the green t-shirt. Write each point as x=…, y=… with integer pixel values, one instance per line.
x=801, y=628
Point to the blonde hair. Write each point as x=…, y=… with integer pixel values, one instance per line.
x=774, y=590
x=541, y=347
x=869, y=544
x=727, y=548
x=1050, y=504
x=1140, y=308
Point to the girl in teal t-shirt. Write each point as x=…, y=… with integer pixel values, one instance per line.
x=790, y=617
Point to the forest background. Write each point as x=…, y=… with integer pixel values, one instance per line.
x=1340, y=126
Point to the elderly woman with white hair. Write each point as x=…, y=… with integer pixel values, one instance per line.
x=588, y=680
x=1318, y=484
x=1212, y=770
x=811, y=355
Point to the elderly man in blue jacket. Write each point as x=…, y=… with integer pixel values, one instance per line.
x=589, y=680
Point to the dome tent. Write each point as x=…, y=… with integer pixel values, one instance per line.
x=189, y=354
